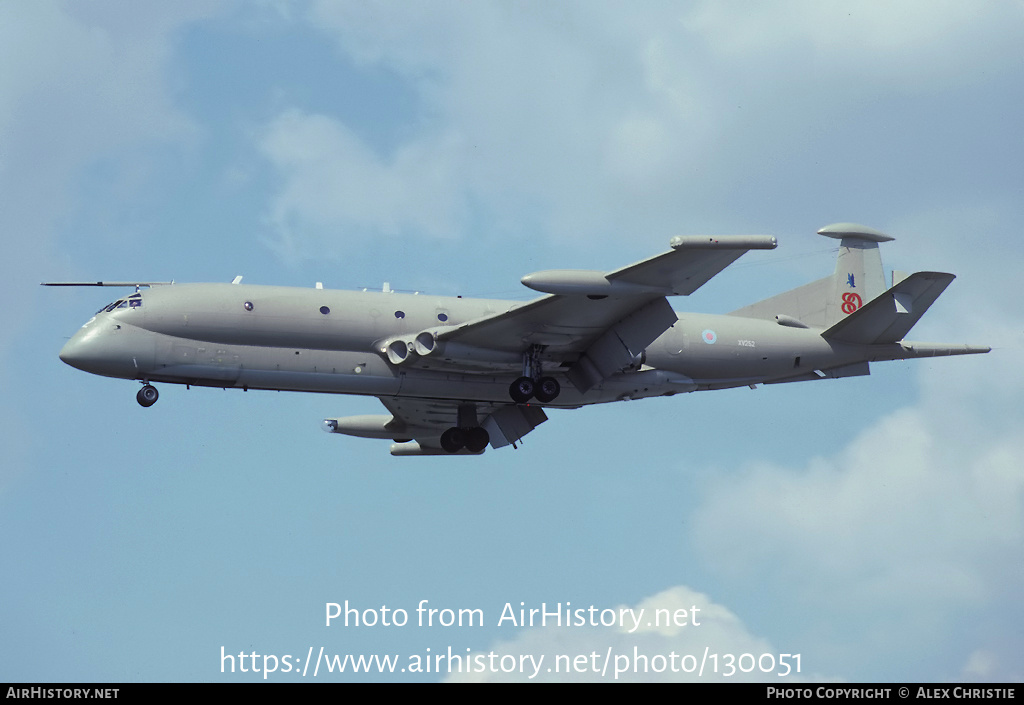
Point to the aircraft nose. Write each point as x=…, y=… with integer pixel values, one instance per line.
x=78, y=353
x=97, y=350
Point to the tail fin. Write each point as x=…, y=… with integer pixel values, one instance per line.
x=889, y=317
x=857, y=280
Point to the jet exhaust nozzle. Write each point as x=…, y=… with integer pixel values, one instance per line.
x=426, y=343
x=399, y=350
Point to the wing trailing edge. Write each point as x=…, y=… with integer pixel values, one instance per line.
x=621, y=344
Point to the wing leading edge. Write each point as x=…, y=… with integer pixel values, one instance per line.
x=598, y=322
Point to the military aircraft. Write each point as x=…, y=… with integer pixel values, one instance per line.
x=459, y=374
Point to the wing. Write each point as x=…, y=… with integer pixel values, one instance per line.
x=594, y=323
x=424, y=420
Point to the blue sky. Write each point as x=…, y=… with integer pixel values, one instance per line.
x=873, y=525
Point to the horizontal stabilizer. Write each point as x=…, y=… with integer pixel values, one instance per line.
x=807, y=304
x=891, y=315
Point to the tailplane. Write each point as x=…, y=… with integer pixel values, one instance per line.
x=857, y=280
x=889, y=317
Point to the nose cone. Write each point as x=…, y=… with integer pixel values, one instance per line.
x=75, y=353
x=83, y=352
x=101, y=350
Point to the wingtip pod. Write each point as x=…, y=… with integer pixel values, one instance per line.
x=724, y=242
x=585, y=282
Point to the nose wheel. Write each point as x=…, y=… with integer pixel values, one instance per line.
x=147, y=396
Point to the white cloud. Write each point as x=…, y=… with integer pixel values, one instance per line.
x=909, y=537
x=531, y=113
x=602, y=120
x=335, y=182
x=913, y=45
x=686, y=641
x=80, y=84
x=79, y=80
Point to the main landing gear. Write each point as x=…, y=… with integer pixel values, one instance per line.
x=147, y=396
x=533, y=385
x=473, y=439
x=543, y=390
x=467, y=433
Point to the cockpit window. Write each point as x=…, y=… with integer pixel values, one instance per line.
x=133, y=301
x=110, y=307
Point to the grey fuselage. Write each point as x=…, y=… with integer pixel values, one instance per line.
x=318, y=340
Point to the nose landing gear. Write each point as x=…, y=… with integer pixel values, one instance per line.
x=147, y=396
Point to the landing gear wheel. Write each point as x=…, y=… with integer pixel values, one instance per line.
x=453, y=440
x=473, y=439
x=477, y=439
x=147, y=396
x=522, y=390
x=547, y=389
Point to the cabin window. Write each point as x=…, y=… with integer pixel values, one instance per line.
x=399, y=314
x=324, y=310
x=247, y=305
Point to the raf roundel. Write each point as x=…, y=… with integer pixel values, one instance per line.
x=709, y=337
